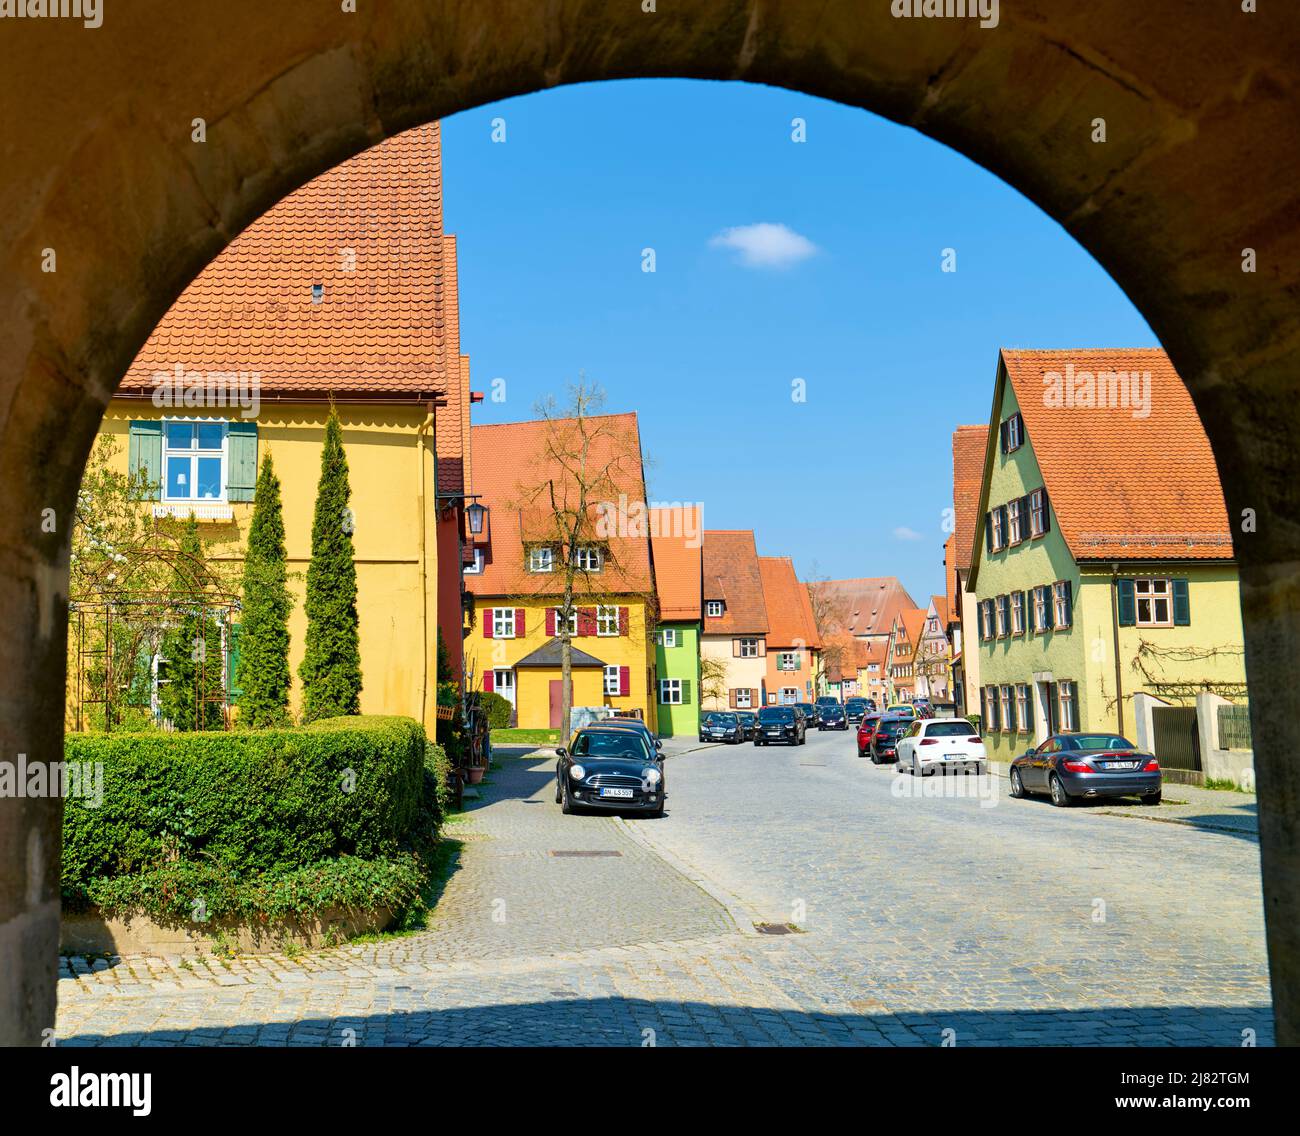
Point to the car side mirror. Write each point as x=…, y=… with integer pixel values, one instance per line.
x=658, y=744
x=561, y=752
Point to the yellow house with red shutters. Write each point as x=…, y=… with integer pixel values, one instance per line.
x=516, y=583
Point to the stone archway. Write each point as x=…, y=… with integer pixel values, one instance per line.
x=104, y=184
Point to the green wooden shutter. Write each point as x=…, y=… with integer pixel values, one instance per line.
x=686, y=692
x=233, y=689
x=241, y=460
x=1049, y=605
x=1127, y=604
x=1011, y=710
x=144, y=455
x=1182, y=604
x=1029, y=710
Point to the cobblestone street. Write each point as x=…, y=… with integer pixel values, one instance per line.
x=1012, y=924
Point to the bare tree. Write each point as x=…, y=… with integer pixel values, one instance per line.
x=836, y=649
x=570, y=503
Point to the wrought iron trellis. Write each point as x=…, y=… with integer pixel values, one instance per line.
x=110, y=596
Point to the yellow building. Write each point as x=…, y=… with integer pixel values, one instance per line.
x=344, y=291
x=517, y=578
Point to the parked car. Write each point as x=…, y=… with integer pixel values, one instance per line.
x=832, y=718
x=749, y=720
x=871, y=705
x=827, y=700
x=606, y=767
x=905, y=709
x=856, y=709
x=781, y=724
x=866, y=731
x=811, y=712
x=640, y=727
x=1070, y=767
x=721, y=727
x=884, y=742
x=943, y=744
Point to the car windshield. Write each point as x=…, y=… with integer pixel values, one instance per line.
x=855, y=703
x=614, y=743
x=776, y=714
x=722, y=719
x=894, y=728
x=948, y=729
x=1102, y=741
x=828, y=702
x=832, y=709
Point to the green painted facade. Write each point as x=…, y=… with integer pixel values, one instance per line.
x=1201, y=650
x=680, y=662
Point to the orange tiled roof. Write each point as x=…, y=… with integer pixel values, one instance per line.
x=968, y=445
x=789, y=610
x=510, y=462
x=370, y=232
x=941, y=609
x=679, y=567
x=950, y=574
x=866, y=606
x=913, y=620
x=731, y=574
x=1124, y=487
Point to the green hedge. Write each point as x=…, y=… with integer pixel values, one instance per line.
x=243, y=804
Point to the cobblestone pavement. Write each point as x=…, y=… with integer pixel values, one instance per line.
x=918, y=916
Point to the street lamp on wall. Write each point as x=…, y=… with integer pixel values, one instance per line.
x=476, y=514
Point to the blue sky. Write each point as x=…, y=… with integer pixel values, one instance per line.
x=844, y=290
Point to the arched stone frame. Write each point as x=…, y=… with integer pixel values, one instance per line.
x=99, y=166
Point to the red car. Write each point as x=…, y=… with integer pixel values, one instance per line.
x=866, y=731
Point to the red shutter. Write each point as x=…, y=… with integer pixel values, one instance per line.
x=622, y=621
x=586, y=621
x=550, y=621
x=519, y=622
x=489, y=681
x=487, y=623
x=624, y=680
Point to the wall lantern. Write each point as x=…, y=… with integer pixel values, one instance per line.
x=476, y=513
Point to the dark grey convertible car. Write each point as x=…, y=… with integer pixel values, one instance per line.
x=1071, y=767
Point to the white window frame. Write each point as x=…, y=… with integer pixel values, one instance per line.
x=1144, y=592
x=503, y=623
x=588, y=558
x=1004, y=706
x=541, y=558
x=1015, y=438
x=749, y=648
x=788, y=695
x=713, y=609
x=1037, y=513
x=1017, y=613
x=1061, y=617
x=606, y=621
x=1022, y=708
x=670, y=692
x=503, y=680
x=668, y=637
x=475, y=569
x=999, y=537
x=743, y=699
x=1002, y=615
x=1015, y=522
x=611, y=677
x=194, y=454
x=573, y=621
x=1069, y=711
x=787, y=661
x=1040, y=608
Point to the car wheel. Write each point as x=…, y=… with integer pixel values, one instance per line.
x=1152, y=798
x=567, y=806
x=1060, y=798
x=1017, y=785
x=559, y=791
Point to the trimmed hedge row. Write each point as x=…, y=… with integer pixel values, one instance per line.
x=243, y=803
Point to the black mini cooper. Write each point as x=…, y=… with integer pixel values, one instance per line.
x=608, y=768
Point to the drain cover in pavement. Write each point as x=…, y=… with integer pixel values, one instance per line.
x=585, y=852
x=776, y=928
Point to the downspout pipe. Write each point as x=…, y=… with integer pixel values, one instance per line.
x=1114, y=623
x=421, y=433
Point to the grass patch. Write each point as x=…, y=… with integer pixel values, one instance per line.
x=525, y=737
x=1224, y=784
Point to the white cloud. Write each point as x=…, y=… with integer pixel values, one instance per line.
x=904, y=533
x=765, y=245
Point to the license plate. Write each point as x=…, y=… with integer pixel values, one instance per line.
x=1119, y=764
x=620, y=793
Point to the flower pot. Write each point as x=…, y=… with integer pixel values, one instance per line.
x=474, y=774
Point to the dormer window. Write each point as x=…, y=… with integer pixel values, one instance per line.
x=317, y=293
x=541, y=559
x=713, y=609
x=588, y=558
x=475, y=569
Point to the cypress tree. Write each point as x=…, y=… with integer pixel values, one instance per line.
x=192, y=647
x=331, y=665
x=263, y=671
